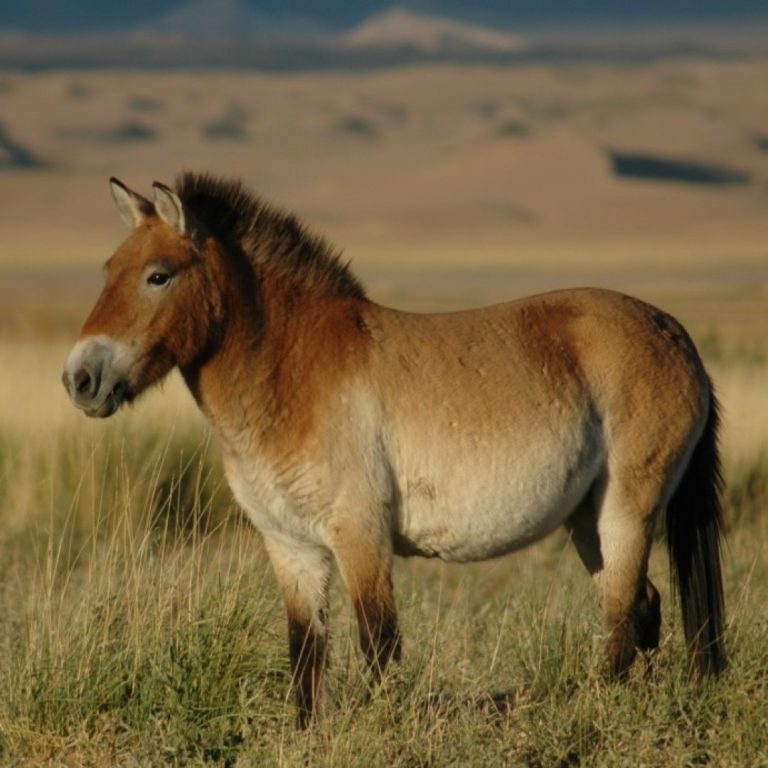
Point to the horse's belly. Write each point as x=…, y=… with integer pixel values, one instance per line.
x=483, y=509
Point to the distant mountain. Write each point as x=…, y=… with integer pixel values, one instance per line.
x=392, y=29
x=227, y=20
x=87, y=16
x=267, y=35
x=401, y=28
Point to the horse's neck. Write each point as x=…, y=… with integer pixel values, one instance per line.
x=270, y=362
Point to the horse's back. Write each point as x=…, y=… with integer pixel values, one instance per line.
x=540, y=351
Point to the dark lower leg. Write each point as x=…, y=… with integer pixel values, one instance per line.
x=632, y=628
x=308, y=651
x=365, y=564
x=648, y=619
x=379, y=632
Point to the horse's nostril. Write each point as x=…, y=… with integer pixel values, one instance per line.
x=83, y=381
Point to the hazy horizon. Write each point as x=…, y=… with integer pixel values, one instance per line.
x=59, y=16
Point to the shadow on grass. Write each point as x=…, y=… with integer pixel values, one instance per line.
x=492, y=703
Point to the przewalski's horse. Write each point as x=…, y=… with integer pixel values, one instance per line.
x=352, y=432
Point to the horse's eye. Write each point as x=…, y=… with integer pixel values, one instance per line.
x=158, y=278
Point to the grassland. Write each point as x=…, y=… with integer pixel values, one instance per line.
x=139, y=622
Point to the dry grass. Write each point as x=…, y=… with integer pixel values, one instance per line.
x=140, y=623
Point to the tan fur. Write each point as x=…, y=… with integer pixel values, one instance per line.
x=351, y=431
x=364, y=559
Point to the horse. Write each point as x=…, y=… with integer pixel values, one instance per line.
x=351, y=432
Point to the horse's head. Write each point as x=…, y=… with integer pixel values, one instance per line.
x=156, y=309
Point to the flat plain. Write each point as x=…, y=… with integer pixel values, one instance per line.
x=140, y=622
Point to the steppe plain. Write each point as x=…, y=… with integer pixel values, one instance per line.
x=139, y=620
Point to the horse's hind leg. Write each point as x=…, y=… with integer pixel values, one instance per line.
x=612, y=531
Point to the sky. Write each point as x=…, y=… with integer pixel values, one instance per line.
x=93, y=15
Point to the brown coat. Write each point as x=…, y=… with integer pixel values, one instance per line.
x=351, y=432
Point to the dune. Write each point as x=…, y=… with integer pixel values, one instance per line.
x=423, y=168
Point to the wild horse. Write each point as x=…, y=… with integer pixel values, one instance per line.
x=352, y=432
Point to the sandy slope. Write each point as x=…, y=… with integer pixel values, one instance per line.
x=418, y=174
x=446, y=187
x=427, y=165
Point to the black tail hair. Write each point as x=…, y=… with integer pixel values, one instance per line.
x=694, y=532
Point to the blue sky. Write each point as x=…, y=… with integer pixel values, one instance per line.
x=75, y=15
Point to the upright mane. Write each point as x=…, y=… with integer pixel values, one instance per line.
x=268, y=237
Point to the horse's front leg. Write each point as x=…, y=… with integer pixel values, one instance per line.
x=364, y=556
x=303, y=574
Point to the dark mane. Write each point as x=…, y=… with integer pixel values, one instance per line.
x=267, y=236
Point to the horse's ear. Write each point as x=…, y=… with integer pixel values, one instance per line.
x=132, y=206
x=171, y=210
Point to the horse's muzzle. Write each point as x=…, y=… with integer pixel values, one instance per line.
x=93, y=379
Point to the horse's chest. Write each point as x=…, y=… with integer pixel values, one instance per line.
x=271, y=502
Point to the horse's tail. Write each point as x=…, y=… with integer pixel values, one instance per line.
x=694, y=531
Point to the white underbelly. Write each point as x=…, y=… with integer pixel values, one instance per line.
x=486, y=504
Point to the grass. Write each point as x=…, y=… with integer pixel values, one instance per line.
x=139, y=621
x=141, y=624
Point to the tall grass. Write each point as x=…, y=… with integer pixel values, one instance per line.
x=140, y=625
x=136, y=609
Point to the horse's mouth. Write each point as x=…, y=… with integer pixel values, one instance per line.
x=119, y=394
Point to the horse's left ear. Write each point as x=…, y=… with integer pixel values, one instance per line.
x=132, y=206
x=171, y=210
